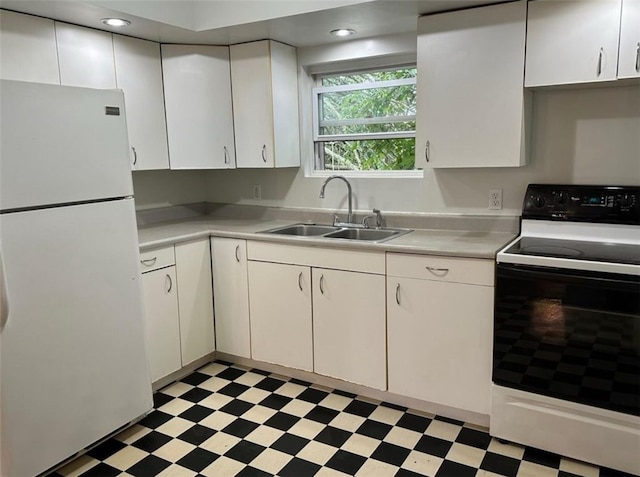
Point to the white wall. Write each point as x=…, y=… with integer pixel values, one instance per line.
x=154, y=189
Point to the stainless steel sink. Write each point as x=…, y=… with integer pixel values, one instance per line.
x=303, y=230
x=338, y=232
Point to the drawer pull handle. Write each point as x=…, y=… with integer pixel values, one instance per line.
x=398, y=294
x=149, y=262
x=322, y=284
x=300, y=281
x=600, y=61
x=226, y=155
x=237, y=253
x=427, y=151
x=264, y=153
x=170, y=283
x=638, y=57
x=135, y=155
x=438, y=272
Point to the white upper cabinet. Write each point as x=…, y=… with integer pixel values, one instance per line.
x=139, y=75
x=470, y=88
x=629, y=54
x=265, y=104
x=572, y=42
x=197, y=89
x=85, y=57
x=28, y=48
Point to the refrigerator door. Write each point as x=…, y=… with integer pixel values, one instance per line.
x=73, y=358
x=61, y=144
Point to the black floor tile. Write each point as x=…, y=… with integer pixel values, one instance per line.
x=106, y=449
x=562, y=473
x=289, y=444
x=391, y=454
x=449, y=420
x=198, y=459
x=101, y=470
x=231, y=374
x=360, y=408
x=240, y=428
x=500, y=464
x=375, y=429
x=414, y=422
x=196, y=395
x=407, y=473
x=474, y=438
x=233, y=389
x=450, y=468
x=195, y=379
x=148, y=467
x=224, y=363
x=275, y=401
x=339, y=392
x=269, y=384
x=160, y=399
x=249, y=471
x=244, y=451
x=312, y=395
x=394, y=406
x=260, y=371
x=346, y=462
x=196, y=413
x=155, y=419
x=282, y=421
x=197, y=434
x=542, y=457
x=433, y=446
x=237, y=407
x=299, y=468
x=151, y=442
x=322, y=414
x=607, y=472
x=333, y=436
x=300, y=382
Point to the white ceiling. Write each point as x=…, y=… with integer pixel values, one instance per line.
x=223, y=22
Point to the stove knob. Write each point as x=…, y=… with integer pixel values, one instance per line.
x=561, y=198
x=625, y=201
x=539, y=201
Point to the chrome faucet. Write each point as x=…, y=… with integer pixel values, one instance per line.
x=329, y=179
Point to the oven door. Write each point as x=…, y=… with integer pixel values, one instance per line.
x=573, y=335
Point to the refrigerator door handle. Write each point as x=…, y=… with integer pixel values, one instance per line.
x=4, y=296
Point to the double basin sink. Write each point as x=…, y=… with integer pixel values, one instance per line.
x=338, y=232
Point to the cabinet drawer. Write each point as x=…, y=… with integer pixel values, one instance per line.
x=156, y=258
x=445, y=269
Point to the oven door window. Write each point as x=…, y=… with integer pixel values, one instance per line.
x=568, y=334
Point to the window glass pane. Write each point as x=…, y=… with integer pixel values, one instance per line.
x=367, y=155
x=369, y=76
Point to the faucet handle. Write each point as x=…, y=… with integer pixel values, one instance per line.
x=336, y=219
x=378, y=218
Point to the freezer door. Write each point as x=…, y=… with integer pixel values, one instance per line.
x=61, y=144
x=73, y=358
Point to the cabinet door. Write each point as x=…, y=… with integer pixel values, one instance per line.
x=197, y=89
x=589, y=53
x=28, y=48
x=280, y=304
x=349, y=336
x=139, y=75
x=469, y=90
x=195, y=299
x=629, y=54
x=85, y=57
x=231, y=296
x=439, y=342
x=162, y=328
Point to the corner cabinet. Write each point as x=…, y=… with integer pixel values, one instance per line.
x=197, y=90
x=629, y=53
x=470, y=88
x=265, y=104
x=28, y=49
x=231, y=290
x=139, y=75
x=439, y=325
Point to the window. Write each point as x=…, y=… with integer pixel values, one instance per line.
x=365, y=121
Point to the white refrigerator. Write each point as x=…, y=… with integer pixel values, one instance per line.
x=73, y=366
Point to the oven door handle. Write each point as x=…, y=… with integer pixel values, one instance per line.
x=610, y=280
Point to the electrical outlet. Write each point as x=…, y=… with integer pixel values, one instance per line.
x=256, y=192
x=495, y=199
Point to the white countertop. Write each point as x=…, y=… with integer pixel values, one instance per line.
x=472, y=244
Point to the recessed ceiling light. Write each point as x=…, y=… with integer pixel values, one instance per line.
x=115, y=22
x=343, y=32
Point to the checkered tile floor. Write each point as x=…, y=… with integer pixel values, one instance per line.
x=224, y=420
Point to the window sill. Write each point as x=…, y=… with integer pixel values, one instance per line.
x=414, y=174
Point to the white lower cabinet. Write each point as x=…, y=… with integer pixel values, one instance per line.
x=280, y=303
x=178, y=306
x=195, y=300
x=162, y=324
x=440, y=331
x=231, y=290
x=349, y=339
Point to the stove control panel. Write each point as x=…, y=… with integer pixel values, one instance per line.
x=583, y=203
